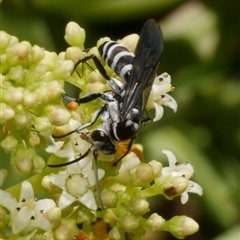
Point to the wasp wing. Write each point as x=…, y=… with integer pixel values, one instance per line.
x=145, y=64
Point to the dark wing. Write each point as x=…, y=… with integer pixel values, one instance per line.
x=144, y=70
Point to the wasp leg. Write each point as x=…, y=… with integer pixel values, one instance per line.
x=95, y=162
x=113, y=83
x=94, y=119
x=74, y=161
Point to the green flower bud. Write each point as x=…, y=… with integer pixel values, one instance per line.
x=13, y=96
x=128, y=223
x=63, y=69
x=139, y=206
x=157, y=167
x=22, y=120
x=109, y=199
x=18, y=53
x=115, y=233
x=41, y=124
x=29, y=99
x=22, y=159
x=85, y=216
x=6, y=113
x=181, y=226
x=38, y=163
x=73, y=54
x=33, y=140
x=57, y=115
x=67, y=230
x=3, y=176
x=37, y=54
x=9, y=144
x=53, y=90
x=95, y=87
x=4, y=40
x=16, y=73
x=155, y=223
x=75, y=35
x=4, y=218
x=142, y=174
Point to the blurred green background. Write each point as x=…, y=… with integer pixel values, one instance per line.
x=201, y=40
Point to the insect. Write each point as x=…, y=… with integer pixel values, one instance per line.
x=124, y=106
x=123, y=111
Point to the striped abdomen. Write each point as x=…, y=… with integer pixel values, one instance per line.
x=117, y=57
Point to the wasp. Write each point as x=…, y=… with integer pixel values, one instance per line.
x=123, y=112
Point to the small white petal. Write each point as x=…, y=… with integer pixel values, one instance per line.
x=58, y=180
x=8, y=201
x=40, y=222
x=171, y=158
x=20, y=219
x=88, y=200
x=26, y=192
x=158, y=112
x=184, y=197
x=170, y=102
x=194, y=188
x=65, y=200
x=44, y=205
x=54, y=147
x=92, y=177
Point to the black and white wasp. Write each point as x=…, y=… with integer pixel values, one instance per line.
x=124, y=106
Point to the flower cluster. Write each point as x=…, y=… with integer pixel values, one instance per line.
x=31, y=82
x=79, y=200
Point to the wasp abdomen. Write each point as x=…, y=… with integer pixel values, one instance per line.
x=118, y=57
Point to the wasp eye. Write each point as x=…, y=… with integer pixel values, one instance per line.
x=99, y=135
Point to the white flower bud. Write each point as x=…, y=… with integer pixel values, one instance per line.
x=157, y=167
x=109, y=199
x=6, y=113
x=128, y=223
x=155, y=223
x=9, y=143
x=53, y=216
x=73, y=54
x=130, y=42
x=181, y=226
x=13, y=96
x=22, y=120
x=57, y=115
x=142, y=174
x=139, y=206
x=67, y=230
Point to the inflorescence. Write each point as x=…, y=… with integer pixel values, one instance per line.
x=32, y=110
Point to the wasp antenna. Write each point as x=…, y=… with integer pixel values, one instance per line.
x=64, y=135
x=74, y=161
x=95, y=162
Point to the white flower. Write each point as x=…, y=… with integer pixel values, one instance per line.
x=73, y=145
x=176, y=170
x=27, y=214
x=77, y=183
x=158, y=95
